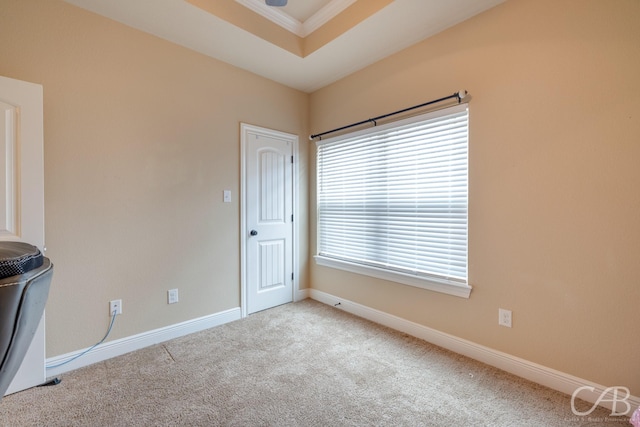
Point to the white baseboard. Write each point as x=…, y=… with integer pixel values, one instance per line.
x=135, y=342
x=302, y=294
x=543, y=375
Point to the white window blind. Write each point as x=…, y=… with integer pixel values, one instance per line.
x=393, y=199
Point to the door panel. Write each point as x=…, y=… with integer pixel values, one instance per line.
x=272, y=265
x=268, y=214
x=8, y=148
x=272, y=183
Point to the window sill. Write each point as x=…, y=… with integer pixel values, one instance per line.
x=443, y=286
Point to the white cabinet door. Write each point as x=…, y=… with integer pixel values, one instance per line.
x=22, y=193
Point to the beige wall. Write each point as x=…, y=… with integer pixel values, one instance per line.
x=554, y=209
x=141, y=138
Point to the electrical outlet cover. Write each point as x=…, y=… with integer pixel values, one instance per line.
x=504, y=317
x=115, y=305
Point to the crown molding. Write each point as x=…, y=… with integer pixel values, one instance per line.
x=289, y=23
x=324, y=15
x=274, y=15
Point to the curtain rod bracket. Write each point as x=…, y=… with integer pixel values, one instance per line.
x=461, y=94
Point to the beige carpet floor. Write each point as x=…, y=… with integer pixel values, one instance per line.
x=302, y=364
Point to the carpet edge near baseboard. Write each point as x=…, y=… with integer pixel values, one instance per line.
x=548, y=377
x=111, y=349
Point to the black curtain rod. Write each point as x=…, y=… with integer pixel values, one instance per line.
x=459, y=95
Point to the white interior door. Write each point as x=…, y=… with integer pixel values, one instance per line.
x=22, y=194
x=268, y=217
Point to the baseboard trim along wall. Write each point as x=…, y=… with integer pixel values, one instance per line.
x=543, y=375
x=301, y=294
x=135, y=342
x=128, y=344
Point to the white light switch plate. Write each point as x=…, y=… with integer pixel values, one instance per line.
x=172, y=296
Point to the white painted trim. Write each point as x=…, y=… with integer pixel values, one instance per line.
x=297, y=214
x=543, y=375
x=245, y=128
x=433, y=284
x=274, y=15
x=243, y=221
x=324, y=15
x=291, y=24
x=125, y=345
x=302, y=294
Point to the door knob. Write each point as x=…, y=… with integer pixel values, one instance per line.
x=253, y=232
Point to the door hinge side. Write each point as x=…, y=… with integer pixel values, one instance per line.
x=291, y=217
x=291, y=276
x=291, y=159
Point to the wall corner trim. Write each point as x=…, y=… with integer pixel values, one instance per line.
x=125, y=345
x=556, y=380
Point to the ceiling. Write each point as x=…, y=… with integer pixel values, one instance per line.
x=306, y=45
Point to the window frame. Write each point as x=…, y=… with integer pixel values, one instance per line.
x=430, y=282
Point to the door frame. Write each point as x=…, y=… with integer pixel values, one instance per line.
x=245, y=129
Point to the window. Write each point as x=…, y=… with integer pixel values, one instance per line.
x=392, y=201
